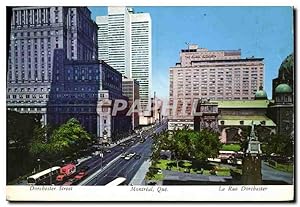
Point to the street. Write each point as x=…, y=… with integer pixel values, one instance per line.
x=271, y=174
x=114, y=166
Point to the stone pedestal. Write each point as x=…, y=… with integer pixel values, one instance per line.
x=252, y=170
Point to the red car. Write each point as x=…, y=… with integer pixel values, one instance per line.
x=80, y=175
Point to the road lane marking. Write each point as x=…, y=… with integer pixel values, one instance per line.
x=99, y=171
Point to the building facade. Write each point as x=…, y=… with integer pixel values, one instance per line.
x=281, y=110
x=130, y=89
x=35, y=33
x=214, y=75
x=206, y=116
x=235, y=115
x=124, y=40
x=87, y=90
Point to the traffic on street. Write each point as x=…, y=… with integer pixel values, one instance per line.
x=104, y=164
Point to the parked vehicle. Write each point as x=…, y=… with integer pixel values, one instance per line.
x=44, y=176
x=65, y=172
x=80, y=175
x=84, y=168
x=70, y=182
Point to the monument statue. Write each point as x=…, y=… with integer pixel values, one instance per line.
x=252, y=161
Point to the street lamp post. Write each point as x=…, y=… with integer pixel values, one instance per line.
x=101, y=156
x=50, y=164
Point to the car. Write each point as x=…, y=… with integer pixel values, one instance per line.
x=84, y=168
x=98, y=152
x=108, y=150
x=70, y=181
x=80, y=175
x=123, y=155
x=152, y=183
x=129, y=156
x=137, y=156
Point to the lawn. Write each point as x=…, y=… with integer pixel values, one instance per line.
x=284, y=167
x=231, y=147
x=190, y=167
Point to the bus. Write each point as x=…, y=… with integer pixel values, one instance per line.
x=43, y=177
x=116, y=182
x=226, y=154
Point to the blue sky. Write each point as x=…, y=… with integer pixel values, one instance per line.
x=258, y=31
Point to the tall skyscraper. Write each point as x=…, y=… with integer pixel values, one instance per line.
x=35, y=33
x=130, y=89
x=124, y=40
x=214, y=75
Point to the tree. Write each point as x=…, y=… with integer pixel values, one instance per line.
x=188, y=144
x=68, y=139
x=207, y=145
x=20, y=128
x=279, y=144
x=242, y=138
x=19, y=134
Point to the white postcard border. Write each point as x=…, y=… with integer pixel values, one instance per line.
x=152, y=193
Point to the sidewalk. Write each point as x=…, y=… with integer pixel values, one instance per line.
x=139, y=177
x=120, y=141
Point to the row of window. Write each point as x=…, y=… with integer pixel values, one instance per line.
x=35, y=33
x=35, y=77
x=73, y=109
x=27, y=96
x=27, y=89
x=27, y=109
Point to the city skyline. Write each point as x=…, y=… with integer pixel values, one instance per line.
x=125, y=43
x=73, y=118
x=257, y=33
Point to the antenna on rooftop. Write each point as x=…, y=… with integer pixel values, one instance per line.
x=188, y=44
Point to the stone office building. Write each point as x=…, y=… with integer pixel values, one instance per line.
x=86, y=90
x=34, y=34
x=130, y=89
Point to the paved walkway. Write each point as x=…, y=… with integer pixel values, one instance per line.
x=120, y=141
x=139, y=177
x=181, y=176
x=269, y=173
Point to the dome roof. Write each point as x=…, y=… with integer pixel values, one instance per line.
x=283, y=88
x=261, y=94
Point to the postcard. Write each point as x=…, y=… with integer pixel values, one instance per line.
x=150, y=103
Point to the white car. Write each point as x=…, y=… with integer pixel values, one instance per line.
x=129, y=156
